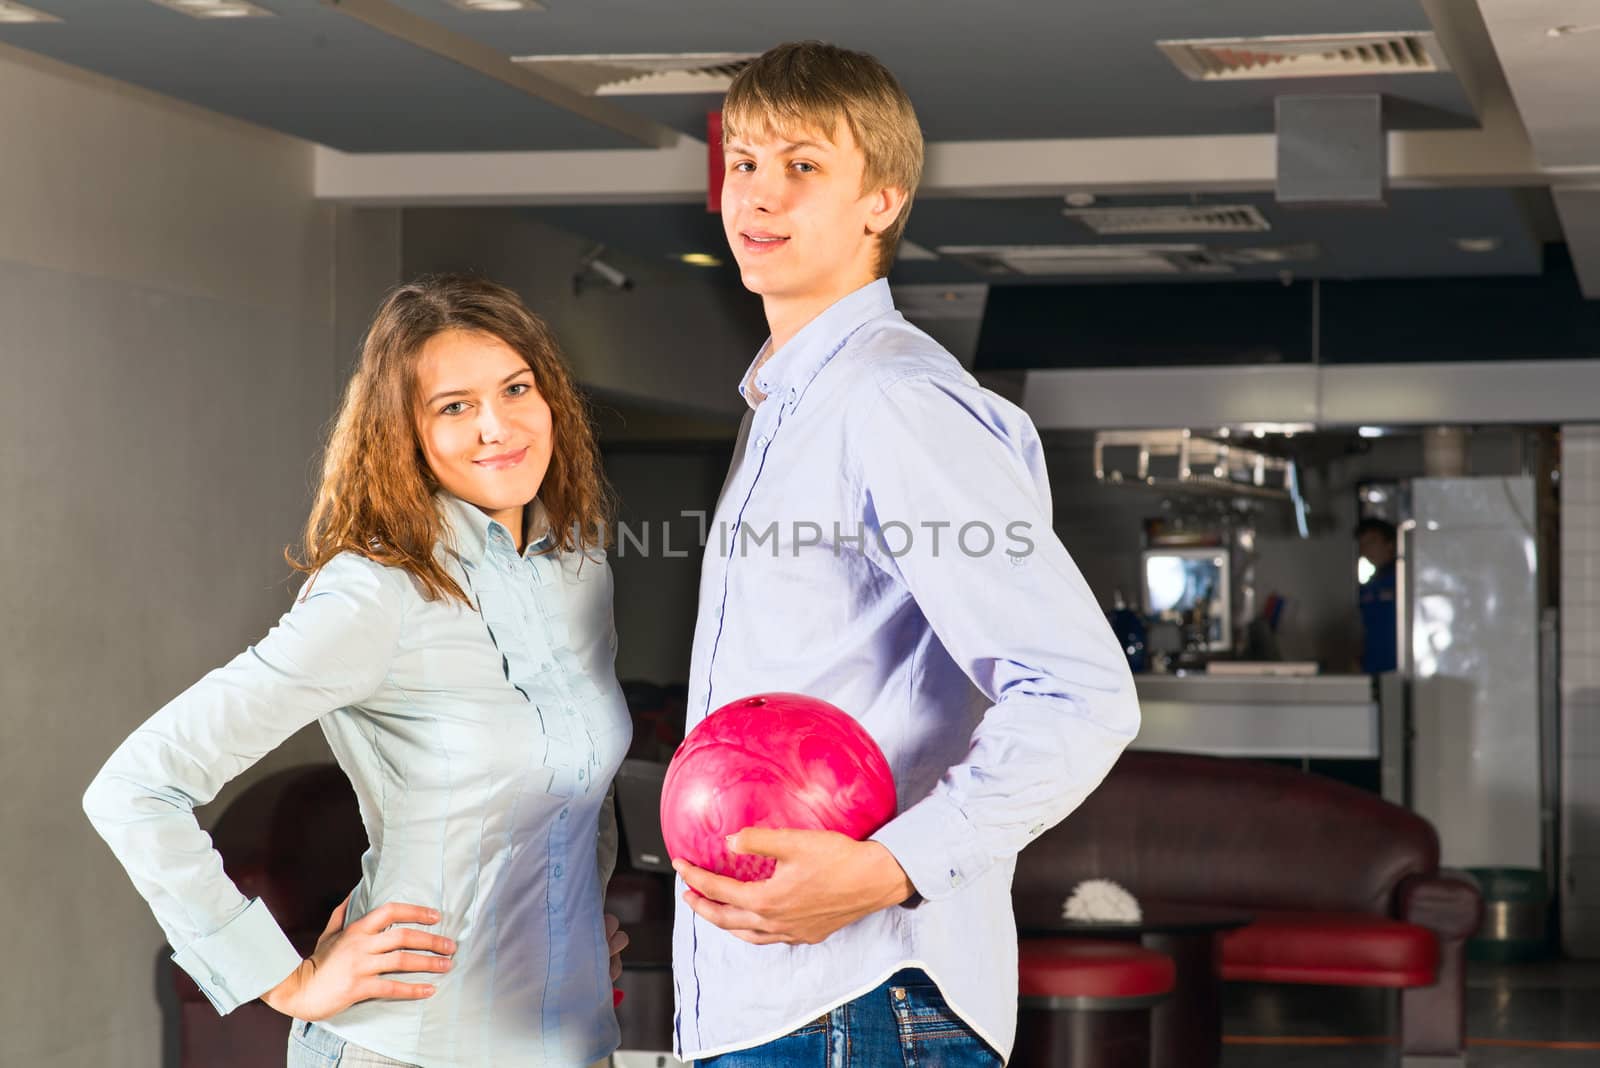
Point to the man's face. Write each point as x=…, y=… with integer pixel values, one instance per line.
x=795, y=215
x=1375, y=548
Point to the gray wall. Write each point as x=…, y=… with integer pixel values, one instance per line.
x=168, y=301
x=677, y=340
x=657, y=588
x=1580, y=691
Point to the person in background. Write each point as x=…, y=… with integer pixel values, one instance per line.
x=1375, y=540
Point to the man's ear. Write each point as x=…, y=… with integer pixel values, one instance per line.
x=885, y=207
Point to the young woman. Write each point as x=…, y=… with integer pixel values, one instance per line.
x=454, y=641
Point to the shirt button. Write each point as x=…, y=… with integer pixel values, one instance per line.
x=580, y=776
x=557, y=872
x=899, y=993
x=761, y=442
x=563, y=814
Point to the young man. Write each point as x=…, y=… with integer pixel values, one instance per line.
x=883, y=542
x=1376, y=542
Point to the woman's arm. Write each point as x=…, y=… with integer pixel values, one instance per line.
x=331, y=649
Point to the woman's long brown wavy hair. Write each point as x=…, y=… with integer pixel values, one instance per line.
x=376, y=496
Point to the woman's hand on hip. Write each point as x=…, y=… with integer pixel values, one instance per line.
x=352, y=964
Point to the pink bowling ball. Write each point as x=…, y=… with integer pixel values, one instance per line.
x=771, y=760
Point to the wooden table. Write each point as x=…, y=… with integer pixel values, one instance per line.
x=1186, y=1029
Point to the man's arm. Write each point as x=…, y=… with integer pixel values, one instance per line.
x=937, y=454
x=1018, y=619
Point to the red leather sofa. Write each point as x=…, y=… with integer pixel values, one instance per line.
x=1345, y=888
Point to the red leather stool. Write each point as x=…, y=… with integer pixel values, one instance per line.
x=1085, y=1003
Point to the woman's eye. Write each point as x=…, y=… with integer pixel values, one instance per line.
x=804, y=168
x=453, y=408
x=517, y=389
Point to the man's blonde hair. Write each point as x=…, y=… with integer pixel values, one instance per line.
x=810, y=85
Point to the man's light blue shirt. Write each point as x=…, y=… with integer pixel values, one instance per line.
x=884, y=542
x=480, y=742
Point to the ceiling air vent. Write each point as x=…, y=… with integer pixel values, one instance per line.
x=1043, y=260
x=642, y=74
x=1315, y=56
x=1172, y=219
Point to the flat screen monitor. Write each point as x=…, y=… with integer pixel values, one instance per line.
x=1190, y=586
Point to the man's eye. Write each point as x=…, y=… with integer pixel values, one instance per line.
x=744, y=166
x=804, y=168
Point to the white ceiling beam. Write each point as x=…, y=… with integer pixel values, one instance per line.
x=1579, y=211
x=611, y=176
x=1496, y=156
x=1549, y=51
x=1152, y=397
x=1500, y=391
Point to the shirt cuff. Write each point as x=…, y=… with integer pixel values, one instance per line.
x=240, y=961
x=936, y=845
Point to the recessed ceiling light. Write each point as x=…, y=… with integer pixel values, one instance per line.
x=1477, y=244
x=700, y=259
x=216, y=9
x=496, y=5
x=1569, y=29
x=1080, y=200
x=15, y=13
x=1369, y=432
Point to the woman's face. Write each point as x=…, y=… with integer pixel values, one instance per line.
x=484, y=428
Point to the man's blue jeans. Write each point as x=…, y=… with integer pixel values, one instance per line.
x=904, y=1022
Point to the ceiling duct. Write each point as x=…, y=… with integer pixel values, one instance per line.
x=1172, y=219
x=642, y=74
x=1312, y=56
x=1047, y=260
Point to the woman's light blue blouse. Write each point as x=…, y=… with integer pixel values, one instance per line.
x=481, y=744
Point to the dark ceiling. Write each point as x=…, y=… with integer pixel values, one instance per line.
x=996, y=70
